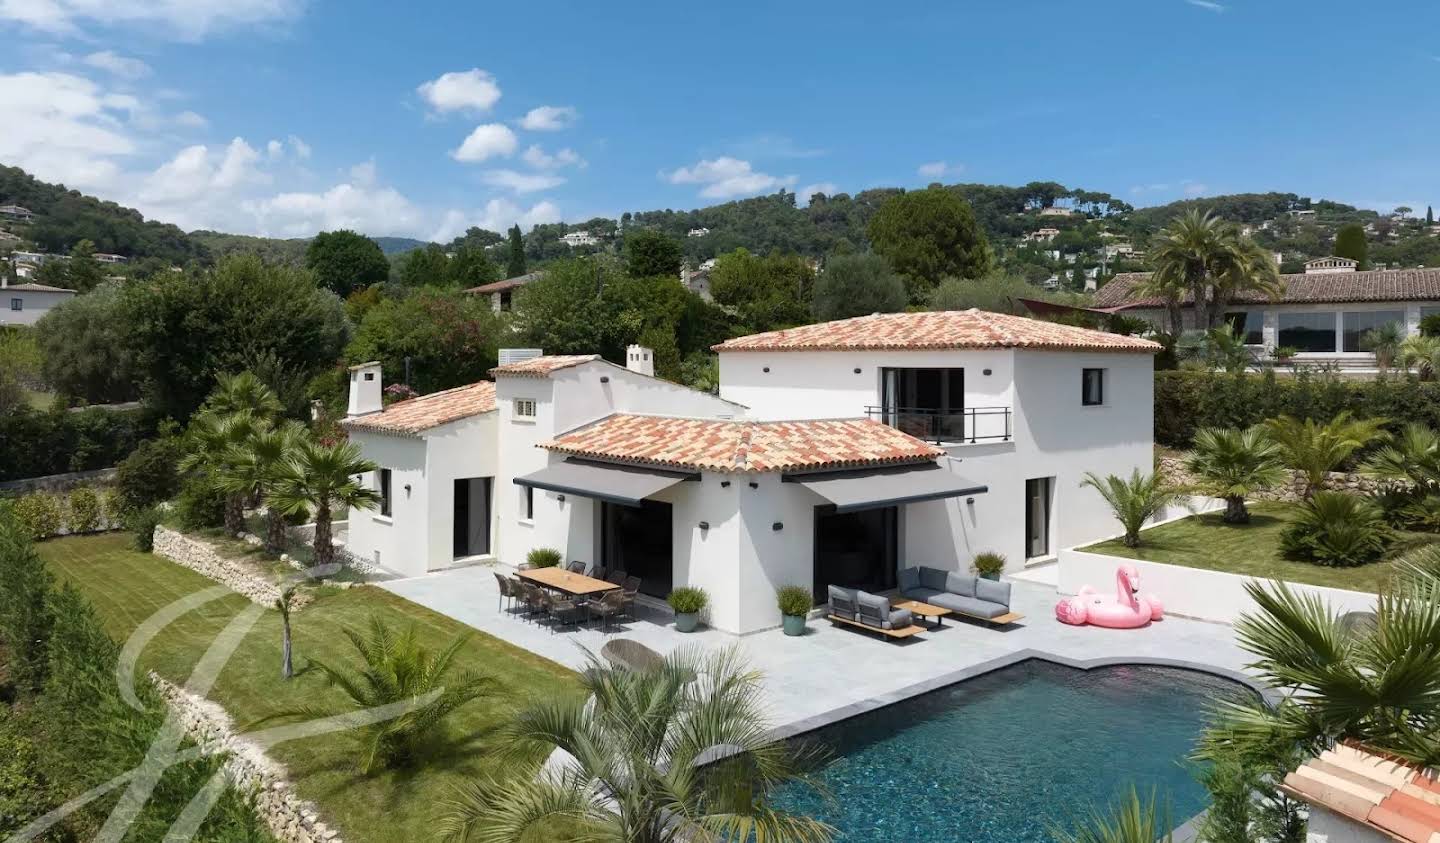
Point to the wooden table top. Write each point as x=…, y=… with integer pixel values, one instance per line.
x=923, y=609
x=567, y=581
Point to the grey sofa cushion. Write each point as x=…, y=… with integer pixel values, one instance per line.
x=922, y=594
x=899, y=619
x=994, y=591
x=873, y=609
x=909, y=579
x=968, y=605
x=842, y=602
x=932, y=578
x=961, y=584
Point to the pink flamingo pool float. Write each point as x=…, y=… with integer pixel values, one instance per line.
x=1126, y=610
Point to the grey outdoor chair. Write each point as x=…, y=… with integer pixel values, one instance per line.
x=576, y=567
x=616, y=577
x=599, y=572
x=607, y=607
x=564, y=612
x=631, y=655
x=628, y=593
x=505, y=593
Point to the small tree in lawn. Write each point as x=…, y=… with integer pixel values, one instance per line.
x=254, y=469
x=1133, y=501
x=316, y=479
x=1234, y=464
x=287, y=667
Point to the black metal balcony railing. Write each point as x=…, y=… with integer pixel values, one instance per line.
x=972, y=424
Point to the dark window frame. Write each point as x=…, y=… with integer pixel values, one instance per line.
x=1297, y=335
x=1086, y=375
x=384, y=479
x=528, y=502
x=17, y=305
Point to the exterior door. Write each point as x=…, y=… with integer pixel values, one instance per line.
x=1037, y=517
x=472, y=516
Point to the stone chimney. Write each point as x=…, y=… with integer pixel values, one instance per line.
x=640, y=359
x=365, y=389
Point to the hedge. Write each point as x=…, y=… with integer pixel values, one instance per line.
x=1187, y=401
x=41, y=515
x=38, y=443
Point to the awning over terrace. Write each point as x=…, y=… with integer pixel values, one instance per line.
x=622, y=484
x=871, y=488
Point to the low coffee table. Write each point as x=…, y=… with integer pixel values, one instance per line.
x=924, y=610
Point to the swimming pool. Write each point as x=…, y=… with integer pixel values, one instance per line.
x=1001, y=756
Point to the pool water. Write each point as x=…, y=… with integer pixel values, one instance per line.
x=1003, y=756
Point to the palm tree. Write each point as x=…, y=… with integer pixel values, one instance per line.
x=1315, y=449
x=1129, y=820
x=253, y=469
x=1384, y=341
x=1411, y=459
x=1234, y=464
x=1423, y=354
x=397, y=669
x=1134, y=501
x=1244, y=267
x=315, y=480
x=283, y=605
x=244, y=393
x=677, y=752
x=1227, y=350
x=212, y=441
x=1204, y=257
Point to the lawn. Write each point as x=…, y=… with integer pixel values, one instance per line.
x=1206, y=541
x=126, y=587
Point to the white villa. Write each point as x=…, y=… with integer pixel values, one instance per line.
x=16, y=212
x=24, y=304
x=834, y=454
x=579, y=238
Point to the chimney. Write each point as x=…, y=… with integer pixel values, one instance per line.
x=640, y=359
x=365, y=389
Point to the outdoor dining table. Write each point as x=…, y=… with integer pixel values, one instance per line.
x=567, y=581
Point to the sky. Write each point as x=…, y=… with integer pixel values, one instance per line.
x=287, y=117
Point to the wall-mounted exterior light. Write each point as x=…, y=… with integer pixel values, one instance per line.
x=777, y=526
x=704, y=525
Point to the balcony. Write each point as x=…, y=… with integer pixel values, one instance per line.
x=968, y=426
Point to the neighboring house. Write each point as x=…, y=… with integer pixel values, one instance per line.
x=501, y=292
x=579, y=238
x=15, y=212
x=1320, y=266
x=1056, y=212
x=697, y=281
x=1043, y=235
x=7, y=237
x=1303, y=215
x=24, y=304
x=1123, y=251
x=835, y=454
x=106, y=257
x=697, y=232
x=1323, y=313
x=707, y=264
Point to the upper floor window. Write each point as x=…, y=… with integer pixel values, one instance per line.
x=1092, y=387
x=926, y=403
x=17, y=304
x=383, y=480
x=524, y=408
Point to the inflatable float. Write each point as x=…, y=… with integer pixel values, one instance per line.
x=1126, y=610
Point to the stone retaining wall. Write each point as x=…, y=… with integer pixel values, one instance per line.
x=59, y=483
x=1173, y=468
x=202, y=557
x=290, y=818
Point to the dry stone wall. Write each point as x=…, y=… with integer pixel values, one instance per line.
x=1173, y=468
x=290, y=818
x=202, y=557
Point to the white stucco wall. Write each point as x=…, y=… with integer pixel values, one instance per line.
x=33, y=305
x=1326, y=826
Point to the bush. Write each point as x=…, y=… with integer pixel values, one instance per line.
x=39, y=515
x=794, y=600
x=989, y=563
x=200, y=505
x=149, y=474
x=688, y=600
x=1337, y=530
x=36, y=443
x=543, y=557
x=142, y=522
x=112, y=507
x=25, y=617
x=83, y=511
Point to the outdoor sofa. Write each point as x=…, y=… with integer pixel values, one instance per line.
x=962, y=594
x=870, y=611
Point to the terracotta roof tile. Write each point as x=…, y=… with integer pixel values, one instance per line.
x=739, y=445
x=1386, y=794
x=947, y=329
x=542, y=367
x=415, y=415
x=507, y=284
x=1316, y=288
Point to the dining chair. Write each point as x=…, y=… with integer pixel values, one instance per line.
x=576, y=567
x=606, y=608
x=505, y=592
x=566, y=612
x=628, y=593
x=534, y=600
x=615, y=577
x=598, y=572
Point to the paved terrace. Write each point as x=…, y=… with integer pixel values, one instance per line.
x=834, y=671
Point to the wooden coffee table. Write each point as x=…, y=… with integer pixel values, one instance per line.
x=924, y=610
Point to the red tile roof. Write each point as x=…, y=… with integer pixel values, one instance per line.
x=1399, y=800
x=542, y=367
x=946, y=329
x=739, y=445
x=507, y=284
x=415, y=415
x=1379, y=285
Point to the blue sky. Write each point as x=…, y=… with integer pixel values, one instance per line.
x=284, y=117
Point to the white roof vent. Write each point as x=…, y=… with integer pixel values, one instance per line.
x=515, y=355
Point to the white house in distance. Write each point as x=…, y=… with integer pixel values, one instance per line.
x=835, y=454
x=15, y=212
x=579, y=238
x=24, y=304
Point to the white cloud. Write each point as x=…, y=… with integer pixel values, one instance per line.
x=189, y=20
x=199, y=173
x=275, y=149
x=299, y=147
x=487, y=141
x=521, y=182
x=549, y=118
x=64, y=128
x=1208, y=5
x=542, y=160
x=939, y=169
x=471, y=90
x=364, y=173
x=802, y=196
x=191, y=120
x=726, y=177
x=122, y=66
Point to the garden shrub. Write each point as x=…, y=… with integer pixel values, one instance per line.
x=1338, y=530
x=83, y=513
x=142, y=522
x=37, y=443
x=543, y=557
x=112, y=507
x=39, y=515
x=25, y=618
x=200, y=505
x=149, y=475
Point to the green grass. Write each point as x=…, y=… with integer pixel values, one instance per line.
x=1206, y=541
x=126, y=587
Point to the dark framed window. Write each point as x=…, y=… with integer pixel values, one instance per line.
x=384, y=480
x=527, y=503
x=1092, y=387
x=928, y=403
x=1358, y=323
x=1250, y=326
x=17, y=304
x=1313, y=332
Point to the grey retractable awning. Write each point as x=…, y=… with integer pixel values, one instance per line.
x=623, y=484
x=872, y=488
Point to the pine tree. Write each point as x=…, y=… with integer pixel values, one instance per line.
x=516, y=266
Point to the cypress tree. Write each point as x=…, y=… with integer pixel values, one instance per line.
x=1429, y=215
x=1350, y=243
x=516, y=266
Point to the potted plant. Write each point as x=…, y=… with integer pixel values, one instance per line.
x=1285, y=355
x=543, y=557
x=795, y=603
x=989, y=565
x=688, y=603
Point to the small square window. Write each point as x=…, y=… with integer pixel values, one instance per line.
x=1092, y=387
x=17, y=304
x=383, y=479
x=369, y=376
x=525, y=408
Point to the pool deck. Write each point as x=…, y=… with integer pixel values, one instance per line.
x=834, y=672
